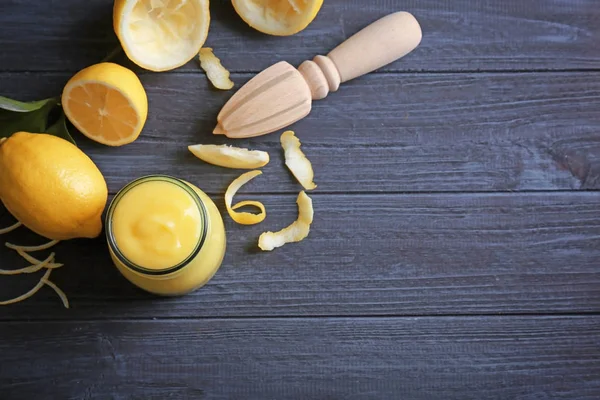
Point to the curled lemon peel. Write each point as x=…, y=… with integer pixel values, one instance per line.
x=10, y=228
x=296, y=161
x=230, y=157
x=59, y=292
x=30, y=293
x=296, y=232
x=217, y=74
x=244, y=218
x=44, y=246
x=32, y=268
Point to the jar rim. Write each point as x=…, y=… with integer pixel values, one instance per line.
x=112, y=241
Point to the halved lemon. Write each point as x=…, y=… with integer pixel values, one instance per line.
x=161, y=35
x=278, y=17
x=107, y=103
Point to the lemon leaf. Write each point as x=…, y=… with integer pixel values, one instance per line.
x=18, y=116
x=59, y=128
x=24, y=107
x=33, y=121
x=33, y=117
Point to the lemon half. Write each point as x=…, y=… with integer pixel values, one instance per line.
x=278, y=17
x=107, y=103
x=160, y=35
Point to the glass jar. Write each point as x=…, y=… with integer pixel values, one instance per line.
x=149, y=208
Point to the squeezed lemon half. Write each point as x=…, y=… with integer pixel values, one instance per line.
x=160, y=35
x=278, y=17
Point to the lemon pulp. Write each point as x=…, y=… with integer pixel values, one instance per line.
x=102, y=110
x=107, y=103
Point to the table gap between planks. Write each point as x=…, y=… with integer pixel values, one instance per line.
x=456, y=244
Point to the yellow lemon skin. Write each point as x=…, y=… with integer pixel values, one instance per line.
x=277, y=17
x=107, y=103
x=51, y=186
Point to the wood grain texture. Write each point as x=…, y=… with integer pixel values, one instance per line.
x=366, y=255
x=458, y=34
x=395, y=132
x=354, y=359
x=456, y=218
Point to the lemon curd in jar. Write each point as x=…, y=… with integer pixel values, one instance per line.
x=165, y=235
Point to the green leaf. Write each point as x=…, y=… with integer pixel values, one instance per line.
x=33, y=117
x=22, y=107
x=18, y=116
x=33, y=121
x=59, y=128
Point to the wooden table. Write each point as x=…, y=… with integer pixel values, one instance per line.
x=455, y=252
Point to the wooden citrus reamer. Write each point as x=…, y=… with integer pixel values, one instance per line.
x=281, y=94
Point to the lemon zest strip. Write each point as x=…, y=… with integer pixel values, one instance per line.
x=32, y=268
x=58, y=291
x=35, y=261
x=27, y=295
x=10, y=228
x=32, y=248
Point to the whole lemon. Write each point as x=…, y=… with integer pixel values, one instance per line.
x=51, y=186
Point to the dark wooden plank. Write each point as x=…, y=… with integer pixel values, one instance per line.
x=432, y=132
x=366, y=255
x=364, y=358
x=458, y=35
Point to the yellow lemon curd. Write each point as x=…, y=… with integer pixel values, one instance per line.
x=165, y=235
